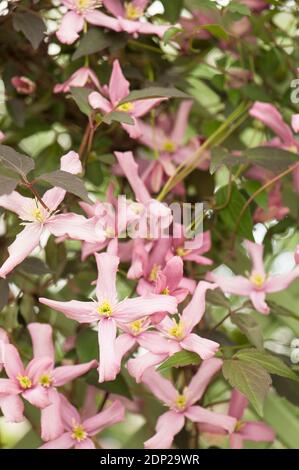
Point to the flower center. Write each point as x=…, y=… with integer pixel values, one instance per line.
x=239, y=426
x=45, y=380
x=105, y=309
x=257, y=280
x=24, y=381
x=180, y=251
x=132, y=12
x=37, y=215
x=165, y=291
x=176, y=330
x=126, y=107
x=180, y=402
x=169, y=146
x=136, y=326
x=154, y=273
x=79, y=433
x=84, y=5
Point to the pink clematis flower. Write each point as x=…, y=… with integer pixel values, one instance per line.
x=179, y=336
x=23, y=382
x=191, y=249
x=23, y=85
x=80, y=430
x=183, y=405
x=167, y=141
x=118, y=90
x=3, y=341
x=82, y=77
x=128, y=15
x=37, y=219
x=107, y=311
x=275, y=209
x=256, y=431
x=53, y=377
x=257, y=285
x=270, y=117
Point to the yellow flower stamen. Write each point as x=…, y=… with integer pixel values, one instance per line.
x=180, y=251
x=176, y=330
x=154, y=273
x=84, y=5
x=257, y=279
x=169, y=146
x=165, y=291
x=180, y=402
x=45, y=380
x=24, y=381
x=239, y=426
x=37, y=215
x=132, y=12
x=136, y=326
x=105, y=309
x=126, y=107
x=79, y=433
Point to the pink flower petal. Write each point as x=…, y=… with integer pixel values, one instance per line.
x=258, y=300
x=268, y=115
x=109, y=365
x=12, y=362
x=119, y=87
x=42, y=341
x=37, y=396
x=168, y=425
x=194, y=311
x=12, y=407
x=257, y=431
x=83, y=312
x=64, y=374
x=204, y=347
x=140, y=364
x=106, y=282
x=70, y=26
x=111, y=415
x=238, y=403
x=181, y=121
x=202, y=378
x=51, y=423
x=198, y=414
x=160, y=387
x=65, y=441
x=138, y=307
x=97, y=101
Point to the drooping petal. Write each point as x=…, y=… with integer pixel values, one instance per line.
x=51, y=422
x=295, y=122
x=24, y=244
x=132, y=129
x=257, y=431
x=174, y=272
x=238, y=403
x=194, y=311
x=109, y=365
x=8, y=387
x=111, y=415
x=12, y=407
x=268, y=115
x=160, y=387
x=130, y=169
x=12, y=362
x=204, y=347
x=83, y=312
x=257, y=298
x=64, y=374
x=98, y=18
x=119, y=87
x=140, y=364
x=138, y=307
x=168, y=425
x=278, y=283
x=65, y=441
x=42, y=341
x=107, y=265
x=202, y=378
x=70, y=26
x=198, y=414
x=181, y=121
x=238, y=285
x=255, y=252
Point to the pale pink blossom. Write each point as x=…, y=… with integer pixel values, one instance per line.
x=107, y=311
x=3, y=341
x=79, y=430
x=182, y=405
x=82, y=77
x=257, y=284
x=53, y=377
x=256, y=431
x=191, y=249
x=179, y=335
x=118, y=89
x=37, y=219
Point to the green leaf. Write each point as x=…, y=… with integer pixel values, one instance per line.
x=15, y=161
x=172, y=10
x=236, y=7
x=272, y=364
x=250, y=327
x=118, y=386
x=4, y=292
x=55, y=257
x=250, y=379
x=118, y=116
x=36, y=143
x=7, y=184
x=87, y=345
x=221, y=156
x=170, y=34
x=16, y=109
x=216, y=30
x=93, y=41
x=154, y=92
x=71, y=183
x=231, y=212
x=31, y=25
x=180, y=359
x=80, y=96
x=33, y=265
x=274, y=159
x=216, y=297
